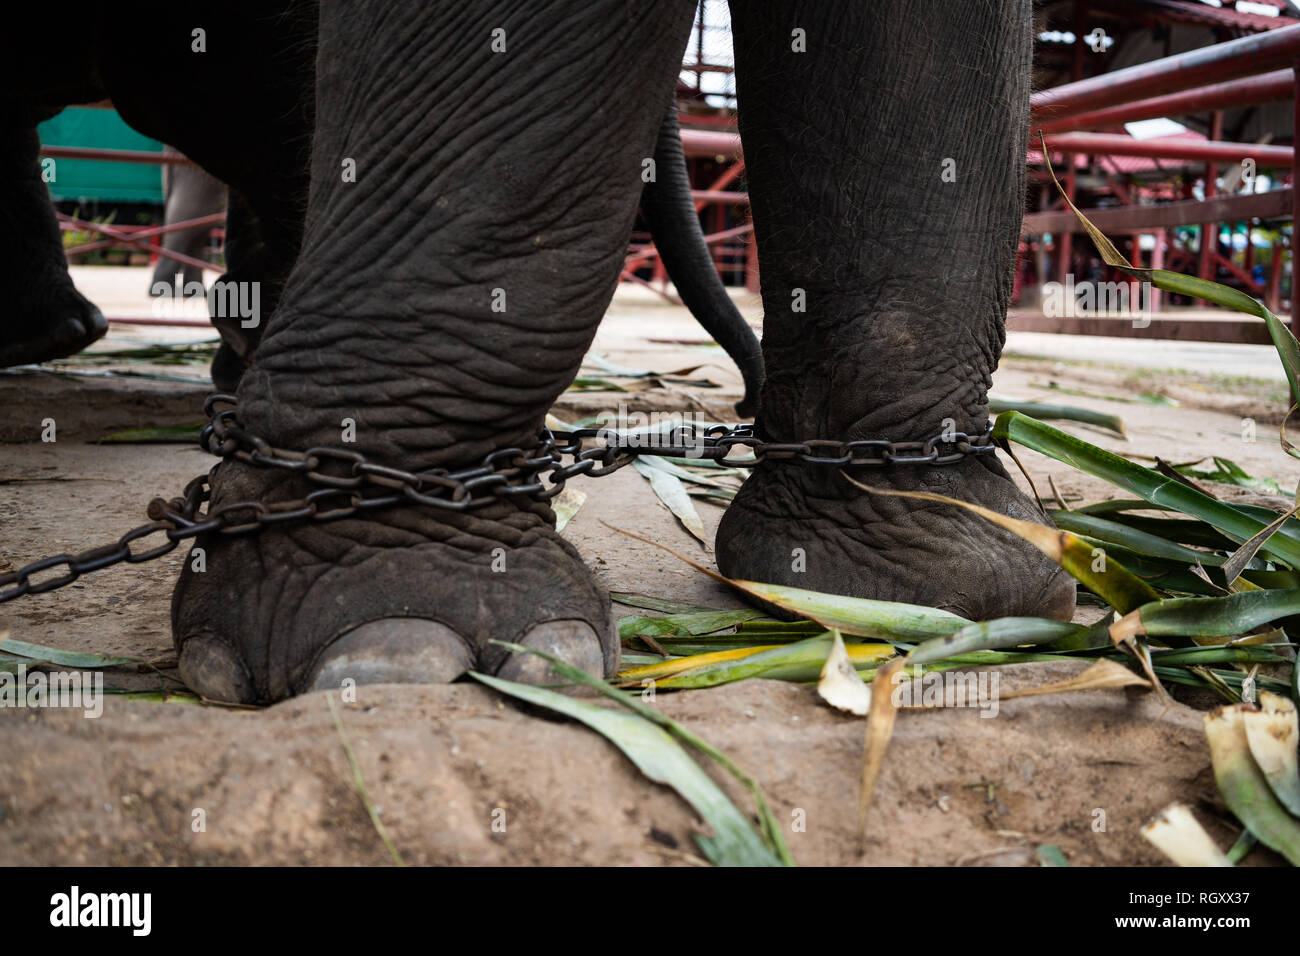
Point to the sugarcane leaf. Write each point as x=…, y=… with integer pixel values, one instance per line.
x=667, y=668
x=1288, y=348
x=771, y=827
x=767, y=626
x=52, y=655
x=1225, y=616
x=839, y=684
x=1190, y=531
x=566, y=505
x=1144, y=482
x=1178, y=835
x=861, y=617
x=798, y=661
x=1102, y=675
x=669, y=489
x=1215, y=654
x=1272, y=735
x=1242, y=557
x=1243, y=785
x=880, y=730
x=998, y=633
x=1158, y=572
x=1229, y=473
x=10, y=664
x=1135, y=539
x=734, y=841
x=632, y=599
x=703, y=622
x=684, y=474
x=999, y=404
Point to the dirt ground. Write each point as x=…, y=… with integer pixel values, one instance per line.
x=274, y=785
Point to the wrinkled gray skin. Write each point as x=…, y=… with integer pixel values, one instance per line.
x=463, y=187
x=189, y=192
x=258, y=64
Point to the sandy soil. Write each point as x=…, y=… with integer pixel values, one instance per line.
x=275, y=787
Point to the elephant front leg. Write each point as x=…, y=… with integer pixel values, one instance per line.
x=44, y=315
x=474, y=179
x=885, y=152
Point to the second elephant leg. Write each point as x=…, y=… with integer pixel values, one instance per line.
x=885, y=154
x=465, y=231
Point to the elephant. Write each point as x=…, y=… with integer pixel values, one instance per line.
x=185, y=83
x=51, y=319
x=495, y=151
x=189, y=192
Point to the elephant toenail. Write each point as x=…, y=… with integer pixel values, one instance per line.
x=214, y=671
x=572, y=641
x=392, y=650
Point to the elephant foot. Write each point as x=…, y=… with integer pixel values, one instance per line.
x=61, y=323
x=407, y=595
x=810, y=528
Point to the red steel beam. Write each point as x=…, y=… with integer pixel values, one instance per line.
x=1241, y=274
x=1247, y=331
x=1219, y=63
x=705, y=197
x=1295, y=195
x=212, y=219
x=116, y=155
x=1210, y=230
x=650, y=252
x=1275, y=204
x=1269, y=88
x=1120, y=144
x=130, y=240
x=150, y=320
x=707, y=142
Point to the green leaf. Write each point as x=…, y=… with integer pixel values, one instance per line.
x=1050, y=855
x=1243, y=557
x=734, y=841
x=1230, y=473
x=669, y=489
x=775, y=842
x=1226, y=616
x=800, y=661
x=1244, y=788
x=1087, y=416
x=79, y=659
x=632, y=599
x=999, y=633
x=187, y=434
x=861, y=617
x=566, y=505
x=705, y=622
x=677, y=471
x=1134, y=539
x=1190, y=531
x=1147, y=484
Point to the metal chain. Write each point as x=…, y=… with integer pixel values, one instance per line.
x=348, y=484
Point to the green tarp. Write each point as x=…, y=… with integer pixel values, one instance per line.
x=85, y=179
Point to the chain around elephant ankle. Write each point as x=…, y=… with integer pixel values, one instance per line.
x=349, y=485
x=516, y=471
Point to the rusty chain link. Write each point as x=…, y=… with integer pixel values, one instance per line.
x=364, y=486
